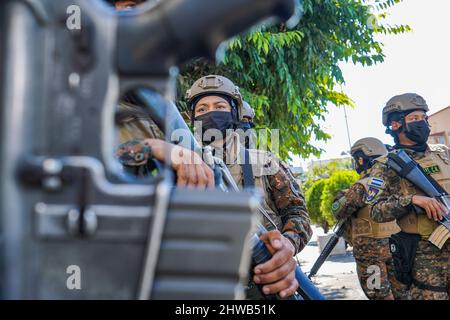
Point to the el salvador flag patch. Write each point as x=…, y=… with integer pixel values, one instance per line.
x=376, y=182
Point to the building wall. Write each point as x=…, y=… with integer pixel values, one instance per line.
x=440, y=127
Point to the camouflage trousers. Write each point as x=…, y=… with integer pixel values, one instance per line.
x=431, y=268
x=375, y=269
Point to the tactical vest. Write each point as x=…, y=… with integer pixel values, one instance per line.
x=364, y=226
x=436, y=162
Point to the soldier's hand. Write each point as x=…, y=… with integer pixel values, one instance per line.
x=434, y=209
x=278, y=274
x=190, y=169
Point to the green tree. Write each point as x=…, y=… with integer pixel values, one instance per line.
x=291, y=76
x=313, y=197
x=321, y=172
x=338, y=180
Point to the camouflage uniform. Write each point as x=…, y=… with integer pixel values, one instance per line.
x=393, y=200
x=283, y=200
x=369, y=248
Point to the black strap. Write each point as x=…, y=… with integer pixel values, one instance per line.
x=407, y=167
x=247, y=171
x=424, y=286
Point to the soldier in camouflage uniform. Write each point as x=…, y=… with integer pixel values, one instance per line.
x=370, y=240
x=396, y=198
x=216, y=107
x=247, y=116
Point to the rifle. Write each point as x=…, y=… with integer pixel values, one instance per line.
x=224, y=181
x=407, y=168
x=63, y=200
x=339, y=230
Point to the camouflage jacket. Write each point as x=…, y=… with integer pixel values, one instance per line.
x=283, y=200
x=290, y=205
x=391, y=196
x=348, y=202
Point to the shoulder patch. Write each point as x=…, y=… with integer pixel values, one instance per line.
x=338, y=204
x=376, y=182
x=372, y=193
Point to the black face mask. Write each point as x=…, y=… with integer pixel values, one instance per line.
x=246, y=125
x=219, y=120
x=418, y=131
x=359, y=168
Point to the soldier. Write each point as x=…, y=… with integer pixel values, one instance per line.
x=216, y=106
x=248, y=114
x=246, y=124
x=370, y=240
x=418, y=262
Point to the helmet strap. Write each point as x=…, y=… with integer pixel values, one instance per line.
x=395, y=133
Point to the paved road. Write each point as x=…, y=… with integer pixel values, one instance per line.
x=337, y=278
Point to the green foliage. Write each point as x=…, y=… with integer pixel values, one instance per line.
x=292, y=76
x=321, y=172
x=337, y=181
x=313, y=201
x=320, y=188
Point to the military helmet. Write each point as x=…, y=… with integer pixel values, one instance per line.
x=403, y=103
x=371, y=147
x=247, y=111
x=211, y=84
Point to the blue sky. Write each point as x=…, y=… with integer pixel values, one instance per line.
x=418, y=61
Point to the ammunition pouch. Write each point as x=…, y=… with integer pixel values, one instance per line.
x=417, y=224
x=403, y=247
x=439, y=236
x=364, y=226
